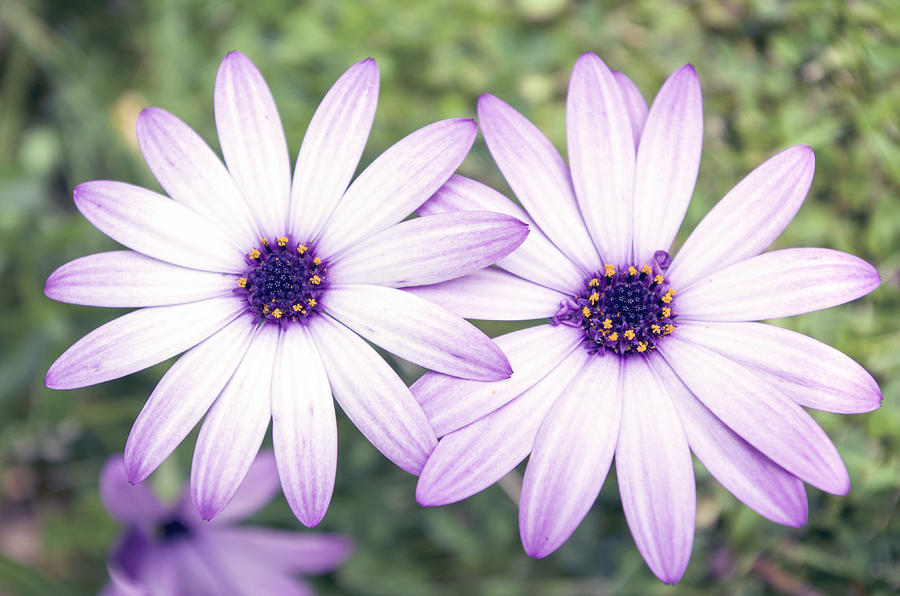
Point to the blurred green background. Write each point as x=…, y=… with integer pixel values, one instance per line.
x=74, y=75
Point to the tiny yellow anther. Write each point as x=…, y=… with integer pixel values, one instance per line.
x=317, y=261
x=242, y=282
x=276, y=313
x=586, y=312
x=594, y=282
x=655, y=329
x=282, y=241
x=658, y=279
x=667, y=298
x=311, y=301
x=614, y=336
x=609, y=270
x=264, y=241
x=594, y=297
x=668, y=328
x=265, y=309
x=642, y=346
x=315, y=280
x=632, y=270
x=302, y=248
x=254, y=254
x=607, y=324
x=666, y=312
x=629, y=334
x=297, y=308
x=646, y=270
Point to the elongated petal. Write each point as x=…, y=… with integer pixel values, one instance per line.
x=234, y=427
x=668, y=159
x=304, y=429
x=430, y=249
x=126, y=502
x=183, y=396
x=760, y=483
x=760, y=413
x=452, y=403
x=780, y=283
x=536, y=259
x=538, y=175
x=811, y=373
x=253, y=142
x=571, y=456
x=476, y=456
x=417, y=330
x=655, y=473
x=157, y=227
x=308, y=554
x=127, y=278
x=138, y=340
x=635, y=104
x=193, y=175
x=397, y=182
x=749, y=218
x=259, y=487
x=373, y=396
x=601, y=154
x=492, y=294
x=331, y=148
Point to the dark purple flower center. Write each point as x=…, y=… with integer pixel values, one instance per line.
x=625, y=311
x=173, y=530
x=284, y=281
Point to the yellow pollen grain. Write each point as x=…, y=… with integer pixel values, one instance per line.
x=668, y=328
x=254, y=254
x=655, y=329
x=594, y=282
x=264, y=241
x=302, y=248
x=317, y=261
x=667, y=298
x=607, y=324
x=282, y=241
x=311, y=301
x=632, y=270
x=586, y=312
x=609, y=270
x=276, y=313
x=646, y=270
x=658, y=279
x=614, y=336
x=265, y=309
x=297, y=308
x=315, y=280
x=642, y=346
x=629, y=334
x=242, y=282
x=594, y=297
x=666, y=312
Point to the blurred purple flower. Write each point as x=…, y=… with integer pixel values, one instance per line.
x=171, y=551
x=625, y=368
x=264, y=280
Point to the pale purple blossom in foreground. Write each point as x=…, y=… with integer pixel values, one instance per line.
x=646, y=357
x=269, y=281
x=168, y=550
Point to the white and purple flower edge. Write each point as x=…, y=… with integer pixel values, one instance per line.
x=645, y=357
x=265, y=280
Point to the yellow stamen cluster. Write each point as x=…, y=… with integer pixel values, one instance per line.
x=667, y=297
x=655, y=329
x=594, y=282
x=242, y=282
x=658, y=279
x=282, y=240
x=254, y=254
x=586, y=312
x=629, y=334
x=264, y=241
x=646, y=270
x=315, y=280
x=594, y=297
x=302, y=248
x=614, y=336
x=317, y=261
x=632, y=270
x=276, y=313
x=265, y=309
x=609, y=270
x=311, y=301
x=607, y=324
x=298, y=308
x=668, y=328
x=666, y=312
x=642, y=346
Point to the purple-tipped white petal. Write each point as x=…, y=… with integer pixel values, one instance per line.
x=476, y=456
x=193, y=175
x=668, y=159
x=234, y=427
x=538, y=175
x=749, y=218
x=139, y=339
x=760, y=413
x=655, y=473
x=452, y=403
x=253, y=142
x=780, y=283
x=417, y=330
x=811, y=373
x=127, y=503
x=183, y=396
x=127, y=278
x=571, y=456
x=429, y=249
x=635, y=105
x=157, y=226
x=760, y=483
x=308, y=554
x=397, y=182
x=601, y=155
x=373, y=396
x=492, y=294
x=259, y=487
x=304, y=429
x=332, y=146
x=536, y=259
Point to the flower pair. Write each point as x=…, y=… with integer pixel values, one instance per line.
x=267, y=280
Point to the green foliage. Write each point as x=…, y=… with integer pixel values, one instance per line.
x=75, y=74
